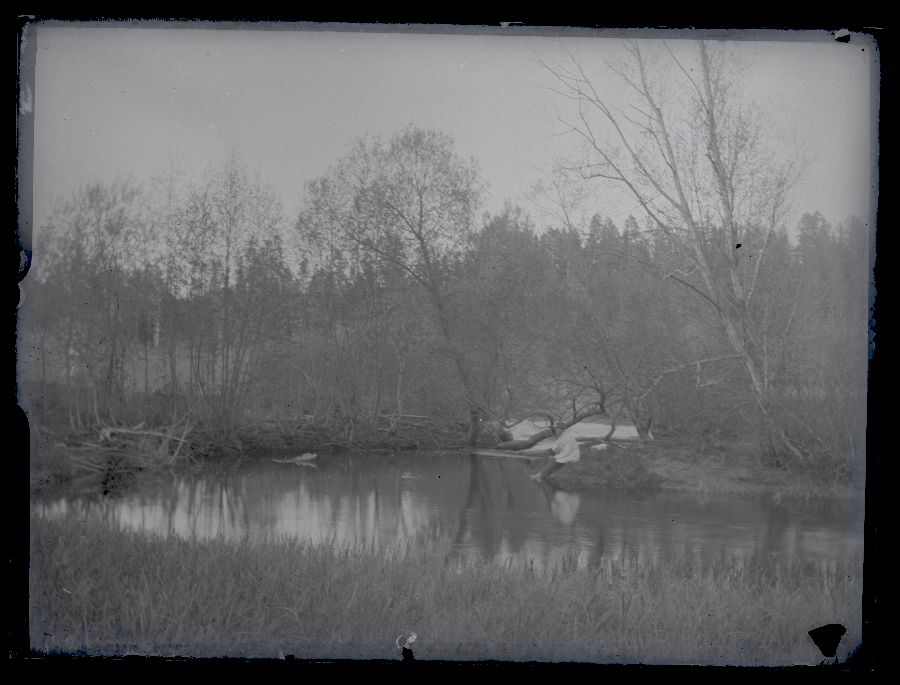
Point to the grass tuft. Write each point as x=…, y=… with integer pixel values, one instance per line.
x=99, y=590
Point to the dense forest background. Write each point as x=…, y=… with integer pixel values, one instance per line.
x=200, y=302
x=197, y=303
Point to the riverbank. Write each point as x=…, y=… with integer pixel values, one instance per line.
x=727, y=467
x=62, y=457
x=100, y=590
x=705, y=467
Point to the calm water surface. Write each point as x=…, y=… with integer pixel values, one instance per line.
x=468, y=508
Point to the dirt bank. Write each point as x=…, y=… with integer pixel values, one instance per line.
x=723, y=467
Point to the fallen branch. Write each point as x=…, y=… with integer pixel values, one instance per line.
x=88, y=465
x=187, y=429
x=145, y=456
x=108, y=432
x=516, y=445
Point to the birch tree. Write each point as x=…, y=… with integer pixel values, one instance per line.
x=232, y=261
x=90, y=249
x=698, y=163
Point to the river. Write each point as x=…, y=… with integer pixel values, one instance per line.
x=467, y=508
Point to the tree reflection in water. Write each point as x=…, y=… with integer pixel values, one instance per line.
x=467, y=509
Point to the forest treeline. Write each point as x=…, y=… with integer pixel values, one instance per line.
x=392, y=297
x=203, y=302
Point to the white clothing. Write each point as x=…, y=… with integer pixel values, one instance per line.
x=566, y=450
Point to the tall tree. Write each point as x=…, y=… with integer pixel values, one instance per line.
x=411, y=201
x=696, y=160
x=232, y=266
x=501, y=299
x=84, y=259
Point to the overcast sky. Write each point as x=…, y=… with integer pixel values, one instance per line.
x=133, y=102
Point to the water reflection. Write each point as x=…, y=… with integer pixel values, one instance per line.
x=467, y=509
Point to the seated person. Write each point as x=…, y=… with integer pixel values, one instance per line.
x=566, y=450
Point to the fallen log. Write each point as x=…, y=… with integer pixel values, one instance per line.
x=590, y=442
x=518, y=445
x=509, y=454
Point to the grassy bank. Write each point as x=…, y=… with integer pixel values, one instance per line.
x=731, y=467
x=104, y=591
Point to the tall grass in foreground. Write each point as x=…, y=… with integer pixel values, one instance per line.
x=104, y=591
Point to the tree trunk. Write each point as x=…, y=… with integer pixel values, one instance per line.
x=146, y=369
x=606, y=438
x=641, y=423
x=474, y=426
x=516, y=445
x=173, y=377
x=376, y=405
x=69, y=392
x=643, y=430
x=399, y=392
x=775, y=429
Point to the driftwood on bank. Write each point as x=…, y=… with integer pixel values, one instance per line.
x=122, y=447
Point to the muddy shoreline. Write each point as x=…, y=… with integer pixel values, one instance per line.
x=683, y=464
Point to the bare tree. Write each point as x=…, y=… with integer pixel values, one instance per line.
x=411, y=201
x=89, y=252
x=231, y=264
x=697, y=162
